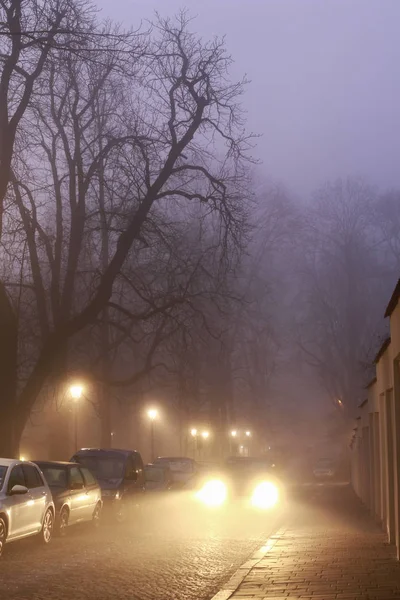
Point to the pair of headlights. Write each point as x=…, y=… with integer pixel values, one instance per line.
x=215, y=493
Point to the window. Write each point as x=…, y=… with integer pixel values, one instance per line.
x=103, y=467
x=55, y=476
x=3, y=471
x=16, y=478
x=75, y=477
x=90, y=480
x=32, y=477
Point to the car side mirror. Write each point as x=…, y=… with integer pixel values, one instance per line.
x=77, y=486
x=18, y=490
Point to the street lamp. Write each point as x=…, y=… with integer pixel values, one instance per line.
x=193, y=432
x=234, y=433
x=152, y=413
x=76, y=391
x=248, y=433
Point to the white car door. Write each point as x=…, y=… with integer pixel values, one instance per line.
x=18, y=506
x=38, y=493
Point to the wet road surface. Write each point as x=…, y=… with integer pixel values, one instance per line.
x=174, y=551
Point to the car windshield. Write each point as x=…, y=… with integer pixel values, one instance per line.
x=3, y=471
x=154, y=475
x=56, y=476
x=104, y=467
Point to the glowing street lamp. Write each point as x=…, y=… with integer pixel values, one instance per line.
x=193, y=432
x=152, y=413
x=234, y=433
x=248, y=433
x=76, y=391
x=205, y=434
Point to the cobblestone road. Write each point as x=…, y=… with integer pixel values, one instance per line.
x=178, y=553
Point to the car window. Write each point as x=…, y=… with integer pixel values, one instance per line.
x=154, y=475
x=16, y=477
x=33, y=478
x=55, y=476
x=103, y=467
x=3, y=471
x=75, y=476
x=90, y=480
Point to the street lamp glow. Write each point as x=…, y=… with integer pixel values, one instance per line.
x=76, y=391
x=152, y=414
x=234, y=433
x=193, y=432
x=248, y=433
x=205, y=434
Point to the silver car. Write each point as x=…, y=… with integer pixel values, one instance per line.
x=26, y=504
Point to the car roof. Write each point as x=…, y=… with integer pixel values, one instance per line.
x=8, y=462
x=56, y=463
x=96, y=451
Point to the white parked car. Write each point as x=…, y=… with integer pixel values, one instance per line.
x=26, y=504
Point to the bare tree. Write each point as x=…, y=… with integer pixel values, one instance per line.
x=163, y=119
x=342, y=292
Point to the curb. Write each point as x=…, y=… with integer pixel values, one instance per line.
x=238, y=577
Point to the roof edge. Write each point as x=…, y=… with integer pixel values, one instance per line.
x=393, y=300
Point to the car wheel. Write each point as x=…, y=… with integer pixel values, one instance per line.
x=3, y=534
x=63, y=521
x=96, y=516
x=48, y=526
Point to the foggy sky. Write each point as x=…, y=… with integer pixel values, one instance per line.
x=325, y=81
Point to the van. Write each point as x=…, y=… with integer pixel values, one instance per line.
x=120, y=474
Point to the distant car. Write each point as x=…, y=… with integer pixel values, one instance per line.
x=158, y=478
x=247, y=480
x=26, y=504
x=120, y=474
x=324, y=469
x=76, y=493
x=182, y=468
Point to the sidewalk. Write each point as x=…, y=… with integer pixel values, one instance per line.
x=330, y=549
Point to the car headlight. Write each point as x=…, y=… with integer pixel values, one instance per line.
x=265, y=495
x=213, y=493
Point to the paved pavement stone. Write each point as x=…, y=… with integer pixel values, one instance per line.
x=330, y=550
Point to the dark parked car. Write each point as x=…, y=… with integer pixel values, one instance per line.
x=158, y=478
x=120, y=474
x=182, y=468
x=76, y=493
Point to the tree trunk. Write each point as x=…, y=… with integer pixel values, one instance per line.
x=105, y=416
x=10, y=435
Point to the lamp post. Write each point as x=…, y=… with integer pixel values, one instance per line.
x=76, y=391
x=248, y=436
x=232, y=437
x=152, y=413
x=205, y=435
x=193, y=433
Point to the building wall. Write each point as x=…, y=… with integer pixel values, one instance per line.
x=376, y=443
